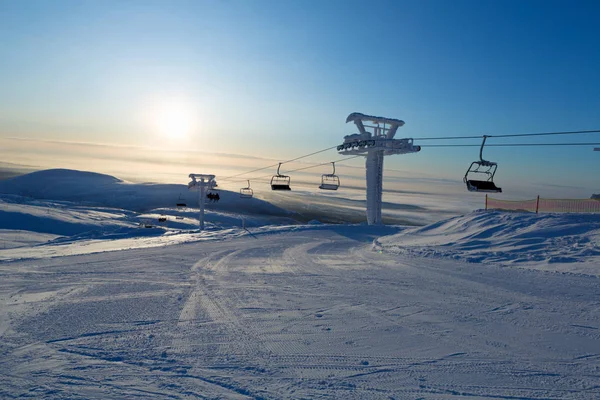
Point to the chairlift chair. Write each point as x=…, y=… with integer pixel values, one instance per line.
x=330, y=181
x=280, y=182
x=487, y=168
x=247, y=192
x=212, y=188
x=181, y=202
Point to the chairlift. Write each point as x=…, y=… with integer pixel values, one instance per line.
x=247, y=192
x=330, y=181
x=488, y=168
x=181, y=202
x=280, y=182
x=212, y=188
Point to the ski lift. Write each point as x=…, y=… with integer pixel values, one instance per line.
x=280, y=182
x=212, y=188
x=181, y=205
x=488, y=168
x=247, y=192
x=181, y=202
x=330, y=181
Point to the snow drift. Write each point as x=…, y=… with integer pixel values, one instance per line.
x=561, y=242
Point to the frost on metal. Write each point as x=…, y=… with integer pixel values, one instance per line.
x=375, y=140
x=201, y=182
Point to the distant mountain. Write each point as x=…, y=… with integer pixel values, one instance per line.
x=92, y=188
x=58, y=184
x=595, y=196
x=10, y=170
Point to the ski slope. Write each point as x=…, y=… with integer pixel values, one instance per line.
x=483, y=305
x=307, y=313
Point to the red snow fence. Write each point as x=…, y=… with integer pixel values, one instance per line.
x=541, y=205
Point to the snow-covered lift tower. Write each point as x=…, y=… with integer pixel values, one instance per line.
x=375, y=140
x=200, y=182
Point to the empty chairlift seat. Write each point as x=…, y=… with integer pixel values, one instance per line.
x=482, y=186
x=181, y=202
x=484, y=168
x=330, y=181
x=279, y=181
x=247, y=192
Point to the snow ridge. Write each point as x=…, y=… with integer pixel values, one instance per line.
x=564, y=242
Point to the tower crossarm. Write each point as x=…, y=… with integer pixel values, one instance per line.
x=207, y=180
x=353, y=146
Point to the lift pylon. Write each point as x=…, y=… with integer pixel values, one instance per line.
x=201, y=182
x=375, y=140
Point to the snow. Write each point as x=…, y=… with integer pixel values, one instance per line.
x=557, y=242
x=105, y=190
x=95, y=306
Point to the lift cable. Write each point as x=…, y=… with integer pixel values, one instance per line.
x=325, y=163
x=509, y=135
x=510, y=144
x=274, y=165
x=299, y=169
x=442, y=145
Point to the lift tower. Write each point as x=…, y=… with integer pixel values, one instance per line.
x=200, y=182
x=375, y=140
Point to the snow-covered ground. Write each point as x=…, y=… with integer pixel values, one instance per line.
x=89, y=188
x=93, y=305
x=553, y=242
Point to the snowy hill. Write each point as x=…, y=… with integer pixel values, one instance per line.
x=74, y=208
x=59, y=218
x=561, y=242
x=65, y=227
x=104, y=190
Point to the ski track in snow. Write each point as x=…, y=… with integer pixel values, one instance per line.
x=310, y=313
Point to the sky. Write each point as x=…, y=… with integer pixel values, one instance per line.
x=154, y=90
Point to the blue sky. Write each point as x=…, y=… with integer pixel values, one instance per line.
x=276, y=79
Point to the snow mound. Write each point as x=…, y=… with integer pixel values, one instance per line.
x=52, y=181
x=558, y=242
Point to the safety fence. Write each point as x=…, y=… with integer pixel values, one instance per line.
x=540, y=205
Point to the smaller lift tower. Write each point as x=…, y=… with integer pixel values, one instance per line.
x=201, y=182
x=375, y=140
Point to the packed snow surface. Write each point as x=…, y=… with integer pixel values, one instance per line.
x=293, y=313
x=558, y=242
x=94, y=305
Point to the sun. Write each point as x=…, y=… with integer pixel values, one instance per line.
x=173, y=121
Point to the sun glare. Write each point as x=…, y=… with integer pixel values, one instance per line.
x=174, y=122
